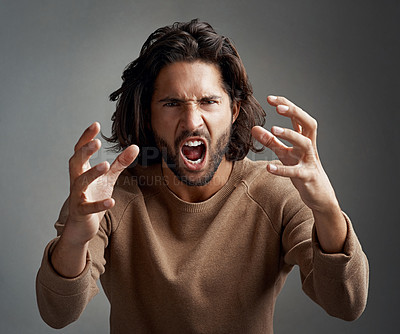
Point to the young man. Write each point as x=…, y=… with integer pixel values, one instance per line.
x=196, y=238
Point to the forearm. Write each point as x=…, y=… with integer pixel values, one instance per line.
x=331, y=228
x=60, y=299
x=69, y=257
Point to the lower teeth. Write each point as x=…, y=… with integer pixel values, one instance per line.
x=195, y=161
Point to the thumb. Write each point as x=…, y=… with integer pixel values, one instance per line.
x=122, y=161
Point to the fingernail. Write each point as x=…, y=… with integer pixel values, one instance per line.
x=282, y=108
x=272, y=97
x=272, y=167
x=108, y=203
x=101, y=167
x=277, y=130
x=92, y=144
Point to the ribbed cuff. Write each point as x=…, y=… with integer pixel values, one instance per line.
x=329, y=264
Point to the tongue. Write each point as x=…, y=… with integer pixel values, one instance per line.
x=193, y=152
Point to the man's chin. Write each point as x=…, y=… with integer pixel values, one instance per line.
x=194, y=180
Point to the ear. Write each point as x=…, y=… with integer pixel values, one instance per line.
x=235, y=111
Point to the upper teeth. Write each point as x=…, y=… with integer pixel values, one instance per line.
x=193, y=143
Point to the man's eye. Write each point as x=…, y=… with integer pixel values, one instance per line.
x=171, y=104
x=209, y=101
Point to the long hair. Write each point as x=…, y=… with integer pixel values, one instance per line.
x=182, y=41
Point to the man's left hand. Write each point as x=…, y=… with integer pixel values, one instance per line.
x=302, y=165
x=299, y=162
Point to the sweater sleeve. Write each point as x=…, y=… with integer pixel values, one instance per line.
x=61, y=300
x=340, y=279
x=337, y=282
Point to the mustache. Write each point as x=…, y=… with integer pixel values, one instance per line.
x=187, y=134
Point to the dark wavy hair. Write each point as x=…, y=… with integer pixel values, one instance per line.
x=182, y=41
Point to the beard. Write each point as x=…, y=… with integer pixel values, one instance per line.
x=214, y=156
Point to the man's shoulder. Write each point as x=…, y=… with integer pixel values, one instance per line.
x=140, y=176
x=137, y=181
x=255, y=174
x=263, y=186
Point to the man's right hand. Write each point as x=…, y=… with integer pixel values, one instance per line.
x=90, y=196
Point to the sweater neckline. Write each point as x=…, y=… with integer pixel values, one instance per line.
x=220, y=195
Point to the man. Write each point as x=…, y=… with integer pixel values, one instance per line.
x=196, y=238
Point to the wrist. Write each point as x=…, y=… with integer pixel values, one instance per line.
x=328, y=207
x=71, y=241
x=75, y=235
x=331, y=228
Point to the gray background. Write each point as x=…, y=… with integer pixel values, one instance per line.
x=338, y=60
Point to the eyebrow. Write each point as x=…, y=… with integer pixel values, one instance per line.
x=173, y=99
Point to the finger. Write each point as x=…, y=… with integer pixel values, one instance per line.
x=122, y=161
x=289, y=109
x=279, y=100
x=294, y=172
x=267, y=138
x=283, y=152
x=87, y=208
x=296, y=126
x=87, y=135
x=300, y=117
x=293, y=137
x=85, y=179
x=81, y=157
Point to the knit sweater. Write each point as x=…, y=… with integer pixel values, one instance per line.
x=169, y=266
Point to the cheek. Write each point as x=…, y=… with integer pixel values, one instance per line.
x=161, y=124
x=156, y=118
x=218, y=123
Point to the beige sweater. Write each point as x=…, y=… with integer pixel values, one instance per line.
x=168, y=266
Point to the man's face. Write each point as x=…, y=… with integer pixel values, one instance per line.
x=191, y=118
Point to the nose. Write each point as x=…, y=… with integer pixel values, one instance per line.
x=191, y=117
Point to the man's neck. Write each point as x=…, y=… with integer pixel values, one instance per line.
x=194, y=194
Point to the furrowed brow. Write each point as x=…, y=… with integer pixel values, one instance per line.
x=170, y=99
x=174, y=99
x=211, y=97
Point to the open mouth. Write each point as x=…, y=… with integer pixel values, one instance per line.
x=193, y=152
